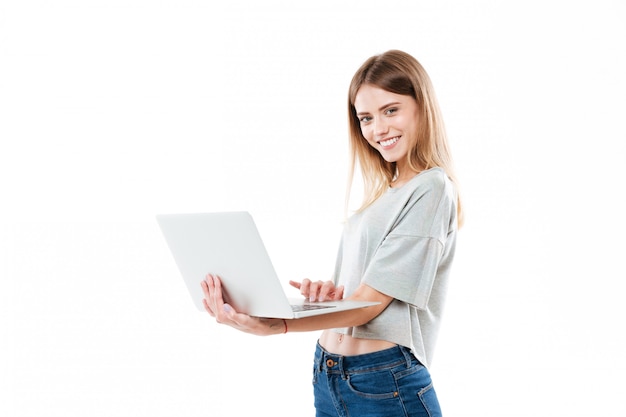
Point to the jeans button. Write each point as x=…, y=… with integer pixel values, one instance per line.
x=330, y=363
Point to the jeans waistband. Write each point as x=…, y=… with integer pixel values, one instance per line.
x=333, y=363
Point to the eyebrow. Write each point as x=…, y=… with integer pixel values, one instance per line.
x=395, y=103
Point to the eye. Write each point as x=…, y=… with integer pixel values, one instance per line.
x=365, y=119
x=391, y=111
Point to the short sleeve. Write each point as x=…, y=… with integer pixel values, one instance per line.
x=406, y=263
x=405, y=268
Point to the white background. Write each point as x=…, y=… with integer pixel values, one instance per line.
x=114, y=111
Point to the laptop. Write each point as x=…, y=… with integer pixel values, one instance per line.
x=229, y=245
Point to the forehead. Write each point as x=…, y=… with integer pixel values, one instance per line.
x=370, y=98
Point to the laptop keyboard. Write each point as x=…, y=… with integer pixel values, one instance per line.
x=308, y=307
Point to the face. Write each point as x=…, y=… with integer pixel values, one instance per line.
x=388, y=121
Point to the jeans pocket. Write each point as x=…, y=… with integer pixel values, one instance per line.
x=429, y=400
x=373, y=385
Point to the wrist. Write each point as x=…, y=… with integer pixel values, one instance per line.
x=278, y=326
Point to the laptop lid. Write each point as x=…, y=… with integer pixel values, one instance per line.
x=228, y=244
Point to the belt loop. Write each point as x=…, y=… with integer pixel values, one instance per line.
x=319, y=360
x=341, y=368
x=407, y=355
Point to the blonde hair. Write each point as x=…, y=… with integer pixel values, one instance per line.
x=399, y=73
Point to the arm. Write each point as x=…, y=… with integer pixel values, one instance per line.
x=347, y=318
x=225, y=314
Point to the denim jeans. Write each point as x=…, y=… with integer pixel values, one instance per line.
x=388, y=383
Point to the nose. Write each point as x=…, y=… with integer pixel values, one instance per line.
x=381, y=127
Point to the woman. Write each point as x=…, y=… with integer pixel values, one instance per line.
x=397, y=249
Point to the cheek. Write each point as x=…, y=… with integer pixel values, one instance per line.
x=369, y=140
x=411, y=130
x=366, y=131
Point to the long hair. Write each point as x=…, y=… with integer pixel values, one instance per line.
x=399, y=73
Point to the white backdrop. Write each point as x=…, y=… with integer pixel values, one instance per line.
x=114, y=111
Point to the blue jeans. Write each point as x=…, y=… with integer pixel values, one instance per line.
x=388, y=383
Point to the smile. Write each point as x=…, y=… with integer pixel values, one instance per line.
x=388, y=142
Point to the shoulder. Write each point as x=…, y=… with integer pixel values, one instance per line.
x=434, y=202
x=436, y=176
x=433, y=182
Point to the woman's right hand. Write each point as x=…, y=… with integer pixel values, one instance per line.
x=318, y=290
x=225, y=314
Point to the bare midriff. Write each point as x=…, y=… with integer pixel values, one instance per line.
x=345, y=345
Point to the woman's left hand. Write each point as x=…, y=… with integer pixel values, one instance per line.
x=318, y=290
x=225, y=314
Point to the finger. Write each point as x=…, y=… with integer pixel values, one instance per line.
x=222, y=312
x=314, y=291
x=207, y=308
x=305, y=287
x=216, y=299
x=213, y=296
x=205, y=290
x=217, y=295
x=295, y=284
x=326, y=291
x=338, y=294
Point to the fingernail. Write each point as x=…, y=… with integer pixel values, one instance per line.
x=227, y=308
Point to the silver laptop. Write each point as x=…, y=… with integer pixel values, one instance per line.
x=228, y=244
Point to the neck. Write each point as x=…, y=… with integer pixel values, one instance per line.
x=403, y=174
x=403, y=178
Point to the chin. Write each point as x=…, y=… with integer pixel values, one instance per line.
x=390, y=159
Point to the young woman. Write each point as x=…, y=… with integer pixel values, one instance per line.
x=397, y=249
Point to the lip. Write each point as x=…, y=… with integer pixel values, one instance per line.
x=390, y=142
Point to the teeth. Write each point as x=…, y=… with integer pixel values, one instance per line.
x=390, y=142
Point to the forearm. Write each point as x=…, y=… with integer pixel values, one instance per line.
x=269, y=327
x=348, y=318
x=225, y=314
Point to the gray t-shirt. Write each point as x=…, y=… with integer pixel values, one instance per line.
x=402, y=245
